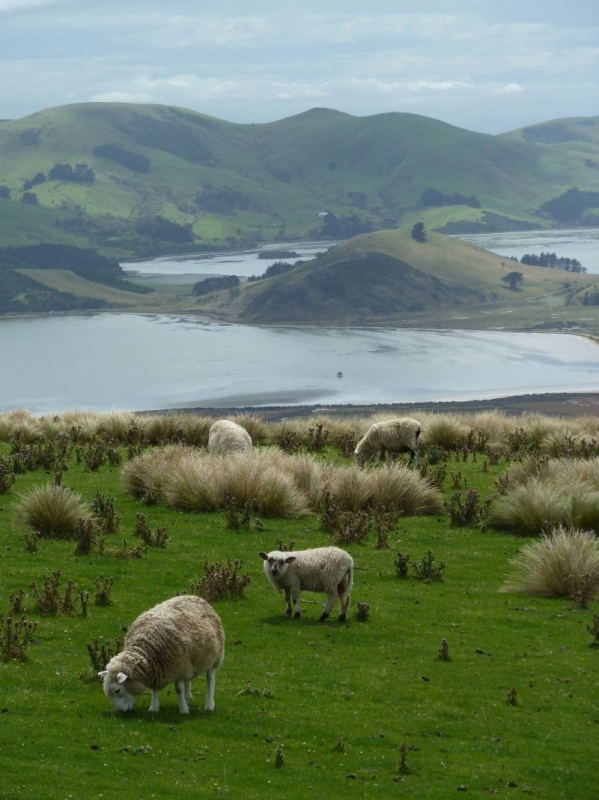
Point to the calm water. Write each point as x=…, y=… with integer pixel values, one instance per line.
x=582, y=245
x=122, y=361
x=243, y=263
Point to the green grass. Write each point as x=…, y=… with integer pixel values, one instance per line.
x=337, y=700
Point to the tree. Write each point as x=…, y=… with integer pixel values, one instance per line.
x=418, y=232
x=512, y=279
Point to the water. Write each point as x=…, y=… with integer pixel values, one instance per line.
x=127, y=361
x=243, y=263
x=583, y=245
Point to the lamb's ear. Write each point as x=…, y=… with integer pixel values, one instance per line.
x=121, y=677
x=263, y=556
x=103, y=674
x=290, y=559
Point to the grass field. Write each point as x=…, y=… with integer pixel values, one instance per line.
x=379, y=707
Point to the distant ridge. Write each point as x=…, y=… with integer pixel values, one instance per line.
x=142, y=180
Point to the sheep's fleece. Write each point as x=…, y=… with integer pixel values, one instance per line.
x=322, y=569
x=391, y=436
x=171, y=643
x=226, y=436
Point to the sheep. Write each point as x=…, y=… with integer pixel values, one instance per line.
x=393, y=436
x=171, y=643
x=226, y=436
x=321, y=569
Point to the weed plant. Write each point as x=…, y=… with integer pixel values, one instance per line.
x=433, y=728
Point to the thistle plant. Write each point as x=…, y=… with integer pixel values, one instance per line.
x=15, y=636
x=222, y=581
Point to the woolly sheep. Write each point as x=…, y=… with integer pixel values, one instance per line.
x=393, y=436
x=322, y=569
x=226, y=436
x=171, y=643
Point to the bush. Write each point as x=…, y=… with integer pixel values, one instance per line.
x=52, y=510
x=563, y=563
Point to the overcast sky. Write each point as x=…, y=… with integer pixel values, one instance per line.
x=484, y=65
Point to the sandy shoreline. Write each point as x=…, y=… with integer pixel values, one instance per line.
x=567, y=404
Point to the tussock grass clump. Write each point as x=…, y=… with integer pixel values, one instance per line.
x=258, y=476
x=53, y=511
x=278, y=485
x=448, y=431
x=146, y=476
x=563, y=563
x=403, y=490
x=541, y=493
x=350, y=487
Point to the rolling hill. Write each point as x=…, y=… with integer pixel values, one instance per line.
x=388, y=278
x=140, y=180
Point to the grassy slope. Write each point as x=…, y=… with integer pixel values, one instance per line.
x=339, y=700
x=283, y=172
x=317, y=291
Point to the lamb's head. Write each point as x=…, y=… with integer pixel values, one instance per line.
x=121, y=689
x=276, y=563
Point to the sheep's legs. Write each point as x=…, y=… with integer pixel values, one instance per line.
x=288, y=601
x=181, y=687
x=210, y=682
x=155, y=704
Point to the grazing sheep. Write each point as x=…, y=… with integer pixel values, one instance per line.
x=171, y=643
x=321, y=569
x=226, y=436
x=393, y=436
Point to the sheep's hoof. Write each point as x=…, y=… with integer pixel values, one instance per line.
x=341, y=617
x=288, y=612
x=297, y=614
x=323, y=616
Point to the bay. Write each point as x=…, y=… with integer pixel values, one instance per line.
x=107, y=361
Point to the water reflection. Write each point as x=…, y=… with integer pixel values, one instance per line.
x=112, y=361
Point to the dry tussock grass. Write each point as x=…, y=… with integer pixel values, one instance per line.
x=279, y=485
x=563, y=563
x=53, y=511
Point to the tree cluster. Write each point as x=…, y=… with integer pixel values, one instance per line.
x=215, y=284
x=433, y=197
x=552, y=261
x=81, y=173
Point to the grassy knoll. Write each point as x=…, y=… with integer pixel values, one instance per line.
x=361, y=709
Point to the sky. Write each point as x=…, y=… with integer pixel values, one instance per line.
x=489, y=66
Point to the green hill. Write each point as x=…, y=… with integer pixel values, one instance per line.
x=389, y=278
x=141, y=180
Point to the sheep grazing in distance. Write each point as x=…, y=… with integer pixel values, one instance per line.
x=392, y=436
x=322, y=569
x=226, y=436
x=171, y=643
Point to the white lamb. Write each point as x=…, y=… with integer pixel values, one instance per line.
x=322, y=569
x=171, y=643
x=226, y=436
x=393, y=437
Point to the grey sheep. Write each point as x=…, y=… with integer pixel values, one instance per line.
x=393, y=436
x=322, y=569
x=171, y=643
x=226, y=436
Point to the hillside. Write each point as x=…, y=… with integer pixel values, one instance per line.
x=141, y=180
x=388, y=278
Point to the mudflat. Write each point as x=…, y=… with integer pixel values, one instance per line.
x=553, y=404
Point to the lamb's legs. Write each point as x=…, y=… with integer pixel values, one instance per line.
x=181, y=687
x=155, y=704
x=210, y=683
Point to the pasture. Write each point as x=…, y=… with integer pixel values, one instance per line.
x=438, y=682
